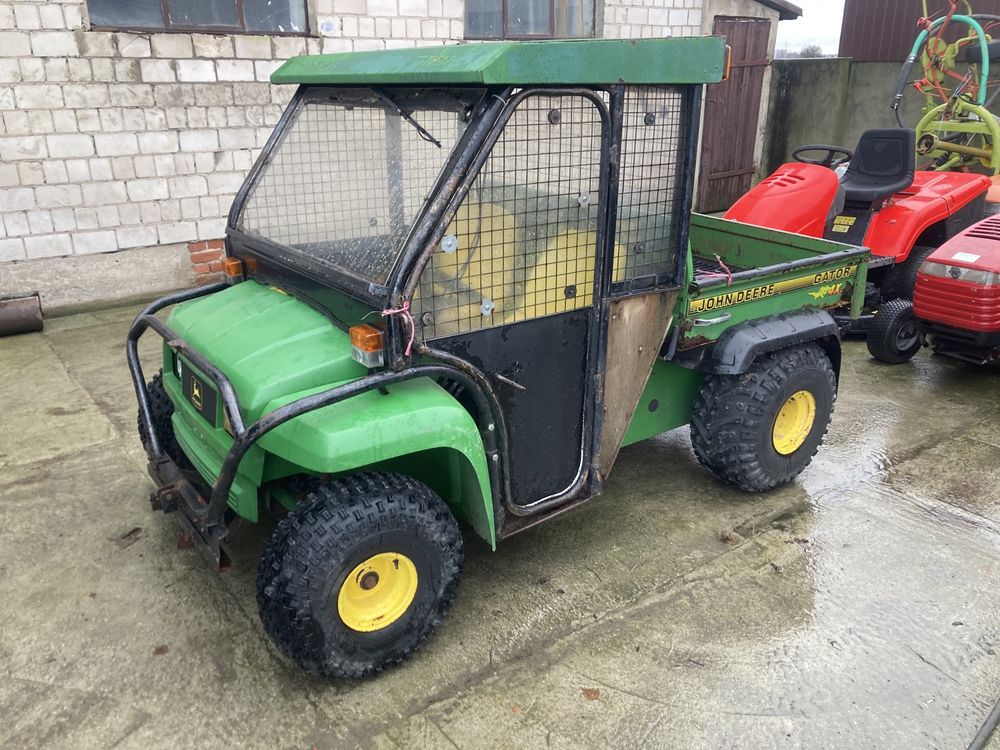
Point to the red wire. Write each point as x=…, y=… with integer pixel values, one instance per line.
x=404, y=311
x=724, y=267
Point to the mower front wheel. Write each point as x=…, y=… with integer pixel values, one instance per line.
x=759, y=430
x=894, y=337
x=357, y=576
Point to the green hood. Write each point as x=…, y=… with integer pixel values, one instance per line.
x=268, y=344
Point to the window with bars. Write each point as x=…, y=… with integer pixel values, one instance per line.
x=651, y=186
x=529, y=19
x=350, y=175
x=523, y=243
x=230, y=16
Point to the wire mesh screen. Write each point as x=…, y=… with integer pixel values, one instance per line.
x=651, y=188
x=350, y=175
x=524, y=241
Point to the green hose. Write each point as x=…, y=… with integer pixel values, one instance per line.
x=904, y=73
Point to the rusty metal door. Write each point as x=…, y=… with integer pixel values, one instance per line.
x=732, y=113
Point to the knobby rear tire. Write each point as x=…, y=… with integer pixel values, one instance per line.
x=732, y=424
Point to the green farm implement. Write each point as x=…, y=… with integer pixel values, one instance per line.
x=958, y=129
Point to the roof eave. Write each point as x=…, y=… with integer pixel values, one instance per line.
x=786, y=11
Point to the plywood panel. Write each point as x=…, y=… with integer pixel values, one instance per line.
x=636, y=332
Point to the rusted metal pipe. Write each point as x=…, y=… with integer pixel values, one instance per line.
x=929, y=143
x=20, y=314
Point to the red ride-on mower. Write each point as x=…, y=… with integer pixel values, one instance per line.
x=881, y=201
x=956, y=305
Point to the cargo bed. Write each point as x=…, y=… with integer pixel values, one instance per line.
x=738, y=272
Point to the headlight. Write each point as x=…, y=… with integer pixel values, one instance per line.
x=959, y=273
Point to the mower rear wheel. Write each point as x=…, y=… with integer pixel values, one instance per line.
x=357, y=576
x=759, y=430
x=894, y=337
x=902, y=279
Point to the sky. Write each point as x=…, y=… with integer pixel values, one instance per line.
x=820, y=24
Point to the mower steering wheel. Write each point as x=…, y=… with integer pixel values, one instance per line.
x=831, y=159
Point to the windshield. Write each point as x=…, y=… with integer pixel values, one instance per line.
x=351, y=173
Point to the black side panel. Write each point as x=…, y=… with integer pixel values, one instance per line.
x=851, y=225
x=959, y=221
x=547, y=358
x=965, y=217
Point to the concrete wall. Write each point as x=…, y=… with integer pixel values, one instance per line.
x=829, y=101
x=77, y=283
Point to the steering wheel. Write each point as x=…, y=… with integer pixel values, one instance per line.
x=831, y=159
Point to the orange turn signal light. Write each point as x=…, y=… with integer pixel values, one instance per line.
x=366, y=337
x=232, y=267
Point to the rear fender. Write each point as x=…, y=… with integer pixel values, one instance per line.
x=935, y=208
x=416, y=428
x=737, y=348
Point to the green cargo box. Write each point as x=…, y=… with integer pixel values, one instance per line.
x=738, y=273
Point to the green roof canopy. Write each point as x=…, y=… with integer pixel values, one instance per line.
x=567, y=62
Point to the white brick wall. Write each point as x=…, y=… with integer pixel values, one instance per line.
x=115, y=140
x=112, y=141
x=631, y=19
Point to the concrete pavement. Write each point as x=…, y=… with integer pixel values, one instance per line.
x=856, y=608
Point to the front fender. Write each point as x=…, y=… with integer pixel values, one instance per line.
x=415, y=427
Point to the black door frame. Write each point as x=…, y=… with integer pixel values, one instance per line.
x=593, y=384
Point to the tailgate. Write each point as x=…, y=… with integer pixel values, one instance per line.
x=738, y=272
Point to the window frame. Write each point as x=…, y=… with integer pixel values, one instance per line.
x=171, y=28
x=504, y=35
x=465, y=191
x=316, y=276
x=341, y=277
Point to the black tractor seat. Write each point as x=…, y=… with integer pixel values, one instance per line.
x=973, y=54
x=883, y=165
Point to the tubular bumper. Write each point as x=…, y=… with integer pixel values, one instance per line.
x=204, y=519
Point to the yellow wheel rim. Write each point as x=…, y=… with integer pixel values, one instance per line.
x=794, y=423
x=377, y=592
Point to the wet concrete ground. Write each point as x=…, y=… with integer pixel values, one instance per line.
x=857, y=608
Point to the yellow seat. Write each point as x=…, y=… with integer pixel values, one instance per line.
x=455, y=285
x=562, y=278
x=489, y=265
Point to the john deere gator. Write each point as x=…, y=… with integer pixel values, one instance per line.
x=459, y=281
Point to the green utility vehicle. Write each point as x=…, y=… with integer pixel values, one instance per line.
x=460, y=280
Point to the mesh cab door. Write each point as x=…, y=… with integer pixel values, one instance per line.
x=512, y=287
